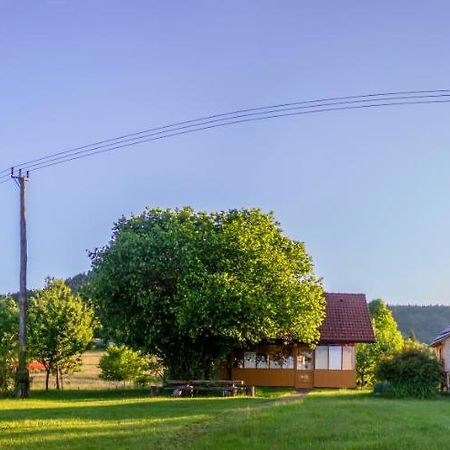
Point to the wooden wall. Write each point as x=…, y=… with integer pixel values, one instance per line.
x=265, y=377
x=335, y=378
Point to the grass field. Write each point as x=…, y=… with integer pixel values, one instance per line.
x=87, y=378
x=129, y=419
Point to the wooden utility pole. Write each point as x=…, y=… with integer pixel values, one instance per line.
x=22, y=386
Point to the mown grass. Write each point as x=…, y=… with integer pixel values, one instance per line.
x=132, y=420
x=336, y=420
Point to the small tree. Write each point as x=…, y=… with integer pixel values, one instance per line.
x=388, y=341
x=61, y=328
x=411, y=372
x=123, y=364
x=9, y=322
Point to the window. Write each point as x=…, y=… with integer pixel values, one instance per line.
x=250, y=360
x=281, y=359
x=276, y=360
x=322, y=357
x=304, y=360
x=335, y=357
x=238, y=361
x=348, y=358
x=262, y=360
x=289, y=362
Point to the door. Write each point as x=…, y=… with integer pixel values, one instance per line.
x=304, y=369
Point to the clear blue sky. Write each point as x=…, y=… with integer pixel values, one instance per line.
x=367, y=191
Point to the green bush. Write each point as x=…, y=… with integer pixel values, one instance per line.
x=123, y=364
x=383, y=388
x=8, y=343
x=411, y=372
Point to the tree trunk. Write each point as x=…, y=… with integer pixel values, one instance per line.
x=57, y=378
x=47, y=376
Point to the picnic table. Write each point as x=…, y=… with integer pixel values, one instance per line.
x=194, y=388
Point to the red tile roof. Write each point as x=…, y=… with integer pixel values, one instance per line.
x=347, y=319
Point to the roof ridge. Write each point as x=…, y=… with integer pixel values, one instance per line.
x=345, y=293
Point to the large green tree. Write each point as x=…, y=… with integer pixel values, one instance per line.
x=9, y=327
x=388, y=341
x=61, y=328
x=190, y=286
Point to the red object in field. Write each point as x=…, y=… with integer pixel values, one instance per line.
x=35, y=365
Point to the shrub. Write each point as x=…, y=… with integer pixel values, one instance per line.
x=383, y=388
x=411, y=372
x=8, y=343
x=123, y=364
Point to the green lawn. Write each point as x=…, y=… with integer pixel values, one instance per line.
x=131, y=420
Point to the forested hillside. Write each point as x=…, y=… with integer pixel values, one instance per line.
x=424, y=321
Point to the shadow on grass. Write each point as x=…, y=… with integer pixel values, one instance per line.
x=107, y=419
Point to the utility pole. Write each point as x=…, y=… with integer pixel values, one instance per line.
x=22, y=386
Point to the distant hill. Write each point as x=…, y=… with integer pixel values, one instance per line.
x=424, y=321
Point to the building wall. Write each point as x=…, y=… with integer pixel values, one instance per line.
x=442, y=352
x=287, y=378
x=335, y=378
x=297, y=377
x=265, y=377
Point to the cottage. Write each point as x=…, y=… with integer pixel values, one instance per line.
x=441, y=347
x=331, y=364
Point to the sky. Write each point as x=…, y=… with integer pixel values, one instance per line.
x=367, y=191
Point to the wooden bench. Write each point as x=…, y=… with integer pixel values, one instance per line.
x=194, y=388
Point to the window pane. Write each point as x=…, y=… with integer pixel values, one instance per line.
x=335, y=358
x=276, y=360
x=262, y=361
x=322, y=357
x=238, y=361
x=250, y=360
x=304, y=360
x=348, y=358
x=281, y=359
x=289, y=363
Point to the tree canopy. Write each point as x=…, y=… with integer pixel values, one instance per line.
x=190, y=286
x=388, y=341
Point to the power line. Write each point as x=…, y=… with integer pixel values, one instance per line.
x=223, y=121
x=245, y=115
x=178, y=133
x=256, y=110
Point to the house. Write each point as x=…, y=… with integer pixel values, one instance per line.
x=331, y=364
x=441, y=346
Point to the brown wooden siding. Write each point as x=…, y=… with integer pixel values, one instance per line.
x=265, y=377
x=288, y=377
x=335, y=378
